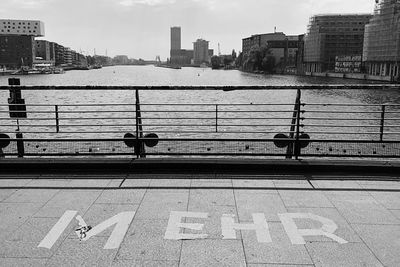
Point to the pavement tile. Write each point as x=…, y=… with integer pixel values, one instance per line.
x=334, y=254
x=158, y=205
x=147, y=263
x=383, y=241
x=213, y=180
x=212, y=225
x=33, y=230
x=145, y=241
x=390, y=185
x=98, y=213
x=115, y=183
x=5, y=193
x=344, y=230
x=32, y=196
x=122, y=196
x=336, y=184
x=49, y=183
x=303, y=198
x=279, y=265
x=17, y=181
x=213, y=197
x=292, y=183
x=73, y=252
x=14, y=215
x=390, y=200
x=136, y=182
x=248, y=203
x=24, y=241
x=279, y=251
x=79, y=200
x=358, y=208
x=396, y=213
x=89, y=183
x=22, y=262
x=210, y=183
x=212, y=253
x=23, y=250
x=256, y=184
x=170, y=182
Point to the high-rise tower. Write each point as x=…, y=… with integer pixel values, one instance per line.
x=175, y=38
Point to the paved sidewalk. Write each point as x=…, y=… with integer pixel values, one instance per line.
x=198, y=220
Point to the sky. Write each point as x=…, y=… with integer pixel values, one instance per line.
x=141, y=28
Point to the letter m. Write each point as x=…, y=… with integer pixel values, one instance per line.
x=121, y=222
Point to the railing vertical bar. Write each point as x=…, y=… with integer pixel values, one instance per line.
x=216, y=118
x=139, y=129
x=290, y=148
x=57, y=119
x=297, y=148
x=382, y=122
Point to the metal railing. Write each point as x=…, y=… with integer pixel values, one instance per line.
x=139, y=129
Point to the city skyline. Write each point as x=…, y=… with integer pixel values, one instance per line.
x=141, y=28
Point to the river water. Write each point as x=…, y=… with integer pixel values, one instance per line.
x=150, y=75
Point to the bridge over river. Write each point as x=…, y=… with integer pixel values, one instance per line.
x=142, y=183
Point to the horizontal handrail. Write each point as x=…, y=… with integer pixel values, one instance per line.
x=210, y=88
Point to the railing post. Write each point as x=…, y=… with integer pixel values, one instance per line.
x=20, y=143
x=297, y=148
x=382, y=122
x=216, y=118
x=17, y=98
x=57, y=119
x=139, y=147
x=295, y=125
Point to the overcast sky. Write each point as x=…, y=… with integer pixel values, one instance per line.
x=141, y=28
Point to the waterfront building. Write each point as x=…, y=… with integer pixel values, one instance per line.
x=182, y=57
x=283, y=47
x=329, y=36
x=175, y=38
x=176, y=54
x=381, y=53
x=44, y=56
x=67, y=56
x=121, y=60
x=59, y=54
x=300, y=67
x=201, y=52
x=16, y=51
x=43, y=50
x=17, y=43
x=21, y=27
